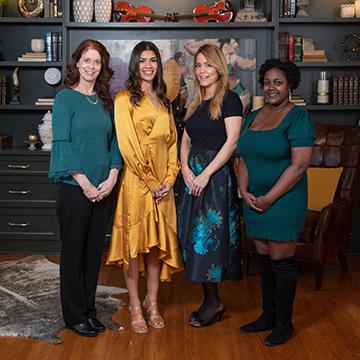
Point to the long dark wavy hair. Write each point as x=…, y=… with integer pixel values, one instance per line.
x=102, y=84
x=133, y=83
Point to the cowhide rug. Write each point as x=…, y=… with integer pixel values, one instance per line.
x=30, y=304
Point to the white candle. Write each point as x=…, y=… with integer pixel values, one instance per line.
x=357, y=8
x=322, y=91
x=347, y=10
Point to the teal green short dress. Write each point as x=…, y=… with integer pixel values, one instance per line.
x=267, y=154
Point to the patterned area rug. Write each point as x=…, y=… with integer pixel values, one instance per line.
x=30, y=304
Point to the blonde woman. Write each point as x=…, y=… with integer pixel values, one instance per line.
x=208, y=214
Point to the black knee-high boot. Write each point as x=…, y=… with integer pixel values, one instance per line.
x=286, y=280
x=266, y=321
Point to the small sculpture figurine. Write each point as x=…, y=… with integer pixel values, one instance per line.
x=45, y=131
x=302, y=5
x=16, y=87
x=249, y=14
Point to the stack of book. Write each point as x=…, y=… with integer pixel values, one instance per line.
x=314, y=56
x=32, y=56
x=4, y=89
x=297, y=100
x=45, y=101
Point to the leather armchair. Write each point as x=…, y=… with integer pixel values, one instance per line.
x=327, y=233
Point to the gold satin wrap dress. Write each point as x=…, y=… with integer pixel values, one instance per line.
x=147, y=140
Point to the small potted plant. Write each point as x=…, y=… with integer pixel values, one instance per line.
x=2, y=6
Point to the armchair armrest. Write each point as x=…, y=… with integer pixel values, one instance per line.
x=332, y=233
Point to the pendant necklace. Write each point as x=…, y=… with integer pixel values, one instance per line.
x=91, y=101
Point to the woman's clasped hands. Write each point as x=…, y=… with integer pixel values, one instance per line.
x=160, y=192
x=196, y=184
x=103, y=190
x=260, y=203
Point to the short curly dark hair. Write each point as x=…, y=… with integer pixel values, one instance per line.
x=291, y=71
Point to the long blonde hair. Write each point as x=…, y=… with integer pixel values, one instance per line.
x=216, y=59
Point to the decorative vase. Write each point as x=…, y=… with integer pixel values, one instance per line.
x=83, y=10
x=103, y=10
x=45, y=131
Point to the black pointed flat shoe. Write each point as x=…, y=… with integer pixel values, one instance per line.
x=83, y=329
x=96, y=324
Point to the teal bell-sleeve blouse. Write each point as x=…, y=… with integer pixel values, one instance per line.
x=84, y=139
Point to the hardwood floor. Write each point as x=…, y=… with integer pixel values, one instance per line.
x=327, y=324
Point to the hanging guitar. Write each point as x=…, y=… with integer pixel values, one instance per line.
x=219, y=12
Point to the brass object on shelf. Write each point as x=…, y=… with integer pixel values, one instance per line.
x=35, y=10
x=32, y=138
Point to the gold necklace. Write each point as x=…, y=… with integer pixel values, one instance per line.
x=92, y=102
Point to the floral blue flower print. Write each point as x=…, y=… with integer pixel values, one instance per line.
x=209, y=225
x=234, y=229
x=214, y=273
x=196, y=166
x=214, y=217
x=203, y=236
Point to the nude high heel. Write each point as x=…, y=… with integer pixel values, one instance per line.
x=138, y=323
x=154, y=318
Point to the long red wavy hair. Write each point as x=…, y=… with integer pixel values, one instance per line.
x=102, y=84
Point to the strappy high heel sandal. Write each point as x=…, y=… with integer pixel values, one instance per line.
x=196, y=321
x=138, y=323
x=154, y=318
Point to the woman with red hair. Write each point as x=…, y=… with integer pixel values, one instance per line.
x=85, y=162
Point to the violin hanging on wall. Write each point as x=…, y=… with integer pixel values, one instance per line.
x=125, y=12
x=219, y=12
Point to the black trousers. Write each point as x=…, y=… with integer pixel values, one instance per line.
x=82, y=231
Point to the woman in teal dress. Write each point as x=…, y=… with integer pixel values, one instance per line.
x=275, y=150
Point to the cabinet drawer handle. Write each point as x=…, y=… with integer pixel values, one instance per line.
x=17, y=166
x=19, y=224
x=19, y=192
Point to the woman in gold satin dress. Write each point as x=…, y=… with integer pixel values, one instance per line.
x=144, y=230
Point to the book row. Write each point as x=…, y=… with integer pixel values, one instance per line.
x=288, y=8
x=53, y=8
x=53, y=46
x=4, y=89
x=345, y=90
x=299, y=49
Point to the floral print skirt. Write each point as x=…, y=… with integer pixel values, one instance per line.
x=209, y=225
